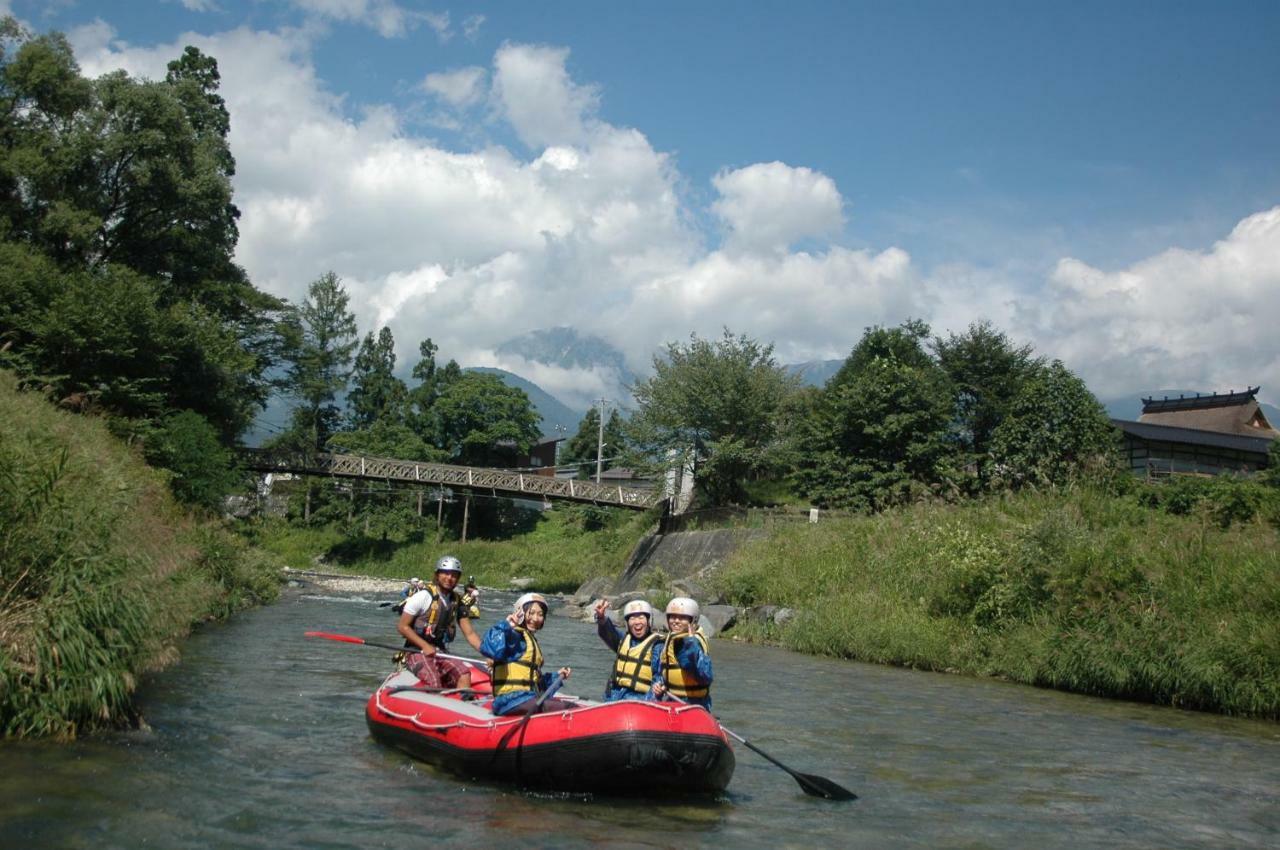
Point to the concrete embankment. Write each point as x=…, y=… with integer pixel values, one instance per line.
x=677, y=564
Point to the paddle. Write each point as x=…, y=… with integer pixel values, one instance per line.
x=814, y=786
x=362, y=641
x=556, y=681
x=410, y=649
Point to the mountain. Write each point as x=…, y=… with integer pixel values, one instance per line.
x=555, y=413
x=815, y=373
x=565, y=347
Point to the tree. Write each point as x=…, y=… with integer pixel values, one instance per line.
x=202, y=469
x=877, y=435
x=432, y=380
x=583, y=446
x=1054, y=430
x=721, y=400
x=122, y=188
x=322, y=363
x=377, y=395
x=476, y=412
x=986, y=371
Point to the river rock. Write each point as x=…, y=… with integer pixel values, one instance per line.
x=717, y=618
x=761, y=614
x=783, y=616
x=570, y=611
x=522, y=583
x=592, y=589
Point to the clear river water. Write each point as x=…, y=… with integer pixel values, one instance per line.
x=257, y=739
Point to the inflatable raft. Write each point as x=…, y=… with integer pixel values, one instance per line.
x=627, y=747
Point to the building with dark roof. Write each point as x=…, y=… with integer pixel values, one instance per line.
x=1199, y=435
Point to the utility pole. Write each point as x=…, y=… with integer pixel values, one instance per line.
x=600, y=442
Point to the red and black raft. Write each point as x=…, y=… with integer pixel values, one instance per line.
x=625, y=747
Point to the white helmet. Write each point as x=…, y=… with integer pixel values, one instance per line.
x=449, y=564
x=637, y=606
x=684, y=606
x=415, y=581
x=529, y=598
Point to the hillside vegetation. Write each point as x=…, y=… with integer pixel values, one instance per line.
x=1081, y=590
x=100, y=571
x=565, y=547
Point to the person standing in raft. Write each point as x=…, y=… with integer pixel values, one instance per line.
x=638, y=650
x=517, y=659
x=429, y=622
x=683, y=669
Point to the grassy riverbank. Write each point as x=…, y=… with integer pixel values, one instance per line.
x=567, y=546
x=1082, y=591
x=101, y=573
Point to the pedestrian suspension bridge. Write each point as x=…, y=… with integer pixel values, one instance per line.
x=497, y=482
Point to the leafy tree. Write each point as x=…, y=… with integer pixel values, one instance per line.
x=321, y=366
x=202, y=469
x=432, y=380
x=721, y=399
x=114, y=177
x=986, y=371
x=903, y=344
x=582, y=447
x=1054, y=430
x=476, y=412
x=877, y=436
x=377, y=395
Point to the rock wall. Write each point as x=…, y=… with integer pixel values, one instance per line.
x=663, y=565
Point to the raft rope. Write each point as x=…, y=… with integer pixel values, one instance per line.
x=495, y=723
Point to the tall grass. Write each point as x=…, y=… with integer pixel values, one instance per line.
x=1083, y=591
x=100, y=572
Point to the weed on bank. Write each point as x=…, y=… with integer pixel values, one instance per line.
x=101, y=573
x=1083, y=590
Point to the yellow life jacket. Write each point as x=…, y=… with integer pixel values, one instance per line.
x=679, y=682
x=631, y=667
x=432, y=624
x=522, y=674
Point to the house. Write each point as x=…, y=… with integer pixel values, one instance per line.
x=541, y=456
x=1199, y=435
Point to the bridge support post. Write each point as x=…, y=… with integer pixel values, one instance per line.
x=439, y=514
x=466, y=513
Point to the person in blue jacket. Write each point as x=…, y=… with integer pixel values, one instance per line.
x=636, y=651
x=683, y=669
x=517, y=659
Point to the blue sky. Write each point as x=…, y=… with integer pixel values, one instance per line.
x=1098, y=179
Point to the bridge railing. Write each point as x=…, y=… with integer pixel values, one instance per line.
x=504, y=481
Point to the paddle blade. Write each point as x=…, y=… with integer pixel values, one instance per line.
x=820, y=786
x=330, y=636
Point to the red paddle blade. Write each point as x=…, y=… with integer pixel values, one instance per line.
x=331, y=636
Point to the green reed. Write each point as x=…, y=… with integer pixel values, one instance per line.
x=1083, y=590
x=100, y=572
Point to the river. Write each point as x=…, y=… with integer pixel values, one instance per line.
x=257, y=739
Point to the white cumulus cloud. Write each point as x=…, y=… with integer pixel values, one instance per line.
x=591, y=227
x=537, y=97
x=771, y=205
x=1182, y=318
x=459, y=88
